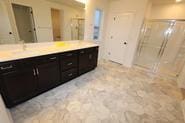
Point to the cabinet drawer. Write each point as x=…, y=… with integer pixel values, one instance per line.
x=88, y=50
x=7, y=67
x=69, y=63
x=69, y=75
x=67, y=55
x=46, y=59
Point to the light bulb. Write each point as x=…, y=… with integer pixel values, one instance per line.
x=82, y=1
x=178, y=1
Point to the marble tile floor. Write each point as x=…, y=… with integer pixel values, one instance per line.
x=109, y=94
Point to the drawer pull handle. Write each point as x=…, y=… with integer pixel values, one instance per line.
x=70, y=74
x=69, y=54
x=6, y=68
x=53, y=58
x=82, y=52
x=90, y=56
x=34, y=72
x=69, y=64
x=37, y=71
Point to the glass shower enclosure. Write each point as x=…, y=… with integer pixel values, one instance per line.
x=162, y=46
x=77, y=28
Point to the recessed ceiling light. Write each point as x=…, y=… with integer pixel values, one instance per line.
x=82, y=1
x=178, y=1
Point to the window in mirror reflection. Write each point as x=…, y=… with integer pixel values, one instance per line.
x=97, y=23
x=25, y=23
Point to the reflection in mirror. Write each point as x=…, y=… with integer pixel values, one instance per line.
x=77, y=28
x=6, y=33
x=25, y=23
x=41, y=21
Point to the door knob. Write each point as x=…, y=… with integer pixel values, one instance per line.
x=125, y=43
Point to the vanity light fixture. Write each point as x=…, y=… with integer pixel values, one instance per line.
x=177, y=1
x=82, y=1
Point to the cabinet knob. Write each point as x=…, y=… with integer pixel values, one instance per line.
x=69, y=64
x=70, y=54
x=70, y=74
x=90, y=56
x=82, y=52
x=53, y=58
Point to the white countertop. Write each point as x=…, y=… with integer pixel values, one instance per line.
x=16, y=52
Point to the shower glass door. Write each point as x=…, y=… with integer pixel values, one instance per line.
x=172, y=60
x=151, y=40
x=162, y=46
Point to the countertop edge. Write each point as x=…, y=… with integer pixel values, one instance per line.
x=44, y=54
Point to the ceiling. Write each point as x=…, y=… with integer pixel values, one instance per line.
x=164, y=1
x=70, y=3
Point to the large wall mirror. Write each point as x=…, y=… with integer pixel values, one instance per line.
x=34, y=21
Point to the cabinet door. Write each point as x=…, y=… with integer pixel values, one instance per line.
x=87, y=60
x=18, y=85
x=48, y=75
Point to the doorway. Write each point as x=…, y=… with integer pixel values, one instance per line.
x=56, y=24
x=162, y=46
x=25, y=23
x=120, y=29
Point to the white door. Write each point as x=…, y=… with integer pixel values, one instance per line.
x=120, y=29
x=6, y=34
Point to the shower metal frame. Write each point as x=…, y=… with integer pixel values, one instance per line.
x=172, y=23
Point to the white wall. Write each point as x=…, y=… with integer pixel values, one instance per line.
x=148, y=10
x=91, y=6
x=121, y=6
x=168, y=11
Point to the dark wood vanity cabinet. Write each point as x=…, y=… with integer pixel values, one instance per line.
x=23, y=79
x=18, y=83
x=47, y=72
x=87, y=59
x=69, y=65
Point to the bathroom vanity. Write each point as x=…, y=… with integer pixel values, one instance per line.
x=24, y=77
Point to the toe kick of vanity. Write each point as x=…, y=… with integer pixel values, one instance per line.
x=23, y=79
